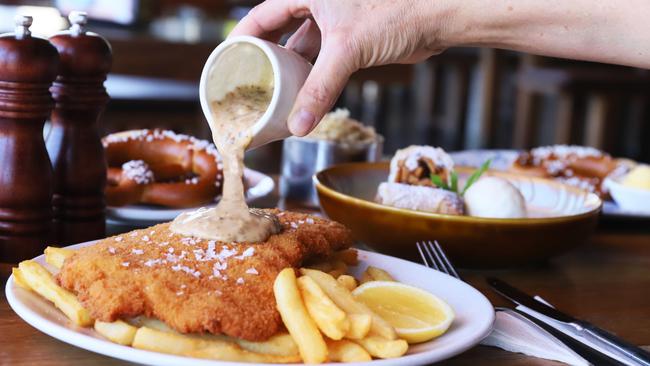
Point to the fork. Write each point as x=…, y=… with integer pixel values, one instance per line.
x=434, y=257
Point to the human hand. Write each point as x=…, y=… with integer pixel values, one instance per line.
x=346, y=35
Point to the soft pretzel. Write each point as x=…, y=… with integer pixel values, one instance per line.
x=161, y=168
x=579, y=166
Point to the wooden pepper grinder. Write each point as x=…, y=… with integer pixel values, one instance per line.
x=74, y=143
x=28, y=65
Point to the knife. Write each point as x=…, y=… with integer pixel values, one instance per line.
x=631, y=353
x=591, y=355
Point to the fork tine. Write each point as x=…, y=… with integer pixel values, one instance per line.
x=422, y=255
x=438, y=257
x=445, y=259
x=437, y=265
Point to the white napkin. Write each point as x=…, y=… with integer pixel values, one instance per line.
x=514, y=333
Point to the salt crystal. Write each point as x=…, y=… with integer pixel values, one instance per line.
x=247, y=253
x=118, y=239
x=310, y=221
x=252, y=271
x=240, y=281
x=137, y=251
x=151, y=262
x=125, y=264
x=294, y=225
x=111, y=250
x=179, y=293
x=183, y=286
x=137, y=171
x=145, y=238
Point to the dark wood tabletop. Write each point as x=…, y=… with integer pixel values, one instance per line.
x=606, y=282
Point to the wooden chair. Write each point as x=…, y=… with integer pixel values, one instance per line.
x=598, y=105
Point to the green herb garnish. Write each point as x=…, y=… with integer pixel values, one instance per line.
x=439, y=182
x=453, y=178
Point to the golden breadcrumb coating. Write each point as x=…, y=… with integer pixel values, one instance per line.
x=197, y=285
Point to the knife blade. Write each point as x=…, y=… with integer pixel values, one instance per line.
x=633, y=354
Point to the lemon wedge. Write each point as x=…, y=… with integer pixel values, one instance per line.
x=416, y=315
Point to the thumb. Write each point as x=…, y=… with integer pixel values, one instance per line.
x=322, y=87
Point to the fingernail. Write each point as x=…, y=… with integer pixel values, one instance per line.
x=301, y=122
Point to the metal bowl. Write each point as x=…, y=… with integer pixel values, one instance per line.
x=304, y=157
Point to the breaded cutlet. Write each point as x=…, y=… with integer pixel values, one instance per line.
x=197, y=285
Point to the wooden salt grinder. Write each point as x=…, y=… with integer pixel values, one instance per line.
x=27, y=67
x=74, y=143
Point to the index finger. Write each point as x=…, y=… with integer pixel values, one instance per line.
x=272, y=18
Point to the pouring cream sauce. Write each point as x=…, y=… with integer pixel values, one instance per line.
x=231, y=220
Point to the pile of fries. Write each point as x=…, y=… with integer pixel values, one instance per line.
x=324, y=321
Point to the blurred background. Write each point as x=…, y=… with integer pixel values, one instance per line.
x=466, y=98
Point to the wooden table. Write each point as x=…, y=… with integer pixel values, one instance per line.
x=606, y=282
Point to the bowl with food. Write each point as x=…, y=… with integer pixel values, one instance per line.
x=483, y=218
x=337, y=139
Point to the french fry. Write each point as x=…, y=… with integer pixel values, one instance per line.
x=347, y=351
x=56, y=256
x=383, y=348
x=348, y=256
x=42, y=282
x=301, y=326
x=19, y=279
x=365, y=277
x=118, y=331
x=347, y=281
x=331, y=320
x=344, y=299
x=338, y=268
x=196, y=346
x=143, y=321
x=279, y=345
x=359, y=326
x=378, y=274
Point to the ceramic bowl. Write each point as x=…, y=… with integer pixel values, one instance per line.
x=246, y=60
x=560, y=218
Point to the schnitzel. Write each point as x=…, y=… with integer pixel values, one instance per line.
x=197, y=285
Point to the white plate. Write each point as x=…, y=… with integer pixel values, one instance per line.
x=473, y=322
x=259, y=185
x=502, y=159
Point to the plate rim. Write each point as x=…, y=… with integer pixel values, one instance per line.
x=107, y=348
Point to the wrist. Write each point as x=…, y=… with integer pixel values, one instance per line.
x=454, y=23
x=443, y=25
